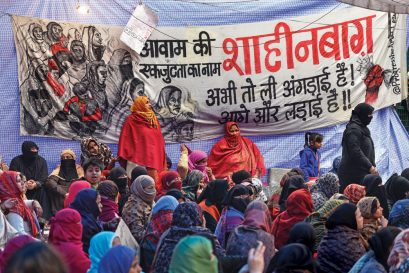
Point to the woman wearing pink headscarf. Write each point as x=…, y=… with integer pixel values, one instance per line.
x=194, y=160
x=74, y=189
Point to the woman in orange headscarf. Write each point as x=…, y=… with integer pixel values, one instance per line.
x=141, y=141
x=234, y=153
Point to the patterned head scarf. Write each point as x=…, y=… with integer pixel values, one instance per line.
x=354, y=192
x=108, y=189
x=191, y=183
x=139, y=107
x=104, y=155
x=399, y=253
x=187, y=215
x=327, y=184
x=366, y=206
x=329, y=207
x=144, y=187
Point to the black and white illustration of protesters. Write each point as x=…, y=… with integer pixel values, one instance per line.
x=120, y=69
x=82, y=112
x=92, y=38
x=78, y=68
x=37, y=106
x=37, y=48
x=53, y=34
x=131, y=89
x=173, y=107
x=184, y=131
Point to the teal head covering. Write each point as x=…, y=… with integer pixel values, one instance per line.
x=99, y=246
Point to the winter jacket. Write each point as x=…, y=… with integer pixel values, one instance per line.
x=339, y=250
x=358, y=154
x=310, y=163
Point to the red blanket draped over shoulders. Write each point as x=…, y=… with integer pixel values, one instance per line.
x=234, y=153
x=142, y=143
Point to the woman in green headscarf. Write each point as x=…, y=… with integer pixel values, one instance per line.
x=318, y=218
x=193, y=254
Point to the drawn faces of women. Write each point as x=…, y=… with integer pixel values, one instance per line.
x=41, y=72
x=56, y=32
x=138, y=91
x=77, y=52
x=174, y=102
x=38, y=33
x=102, y=74
x=97, y=38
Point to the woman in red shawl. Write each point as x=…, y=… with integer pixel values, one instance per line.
x=141, y=141
x=66, y=235
x=299, y=206
x=12, y=186
x=234, y=153
x=168, y=180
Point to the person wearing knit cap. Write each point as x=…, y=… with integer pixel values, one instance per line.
x=61, y=178
x=372, y=212
x=138, y=208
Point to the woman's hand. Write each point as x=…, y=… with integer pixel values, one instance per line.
x=9, y=204
x=255, y=260
x=183, y=149
x=37, y=208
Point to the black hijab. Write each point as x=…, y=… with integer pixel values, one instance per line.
x=292, y=184
x=27, y=155
x=302, y=233
x=214, y=193
x=374, y=187
x=382, y=242
x=344, y=215
x=396, y=187
x=138, y=171
x=234, y=200
x=292, y=257
x=361, y=111
x=68, y=170
x=122, y=183
x=240, y=176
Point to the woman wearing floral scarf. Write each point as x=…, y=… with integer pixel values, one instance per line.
x=325, y=187
x=92, y=148
x=398, y=260
x=138, y=208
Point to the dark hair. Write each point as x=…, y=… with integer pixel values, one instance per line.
x=36, y=257
x=92, y=162
x=240, y=176
x=310, y=136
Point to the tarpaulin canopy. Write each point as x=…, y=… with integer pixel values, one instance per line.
x=394, y=6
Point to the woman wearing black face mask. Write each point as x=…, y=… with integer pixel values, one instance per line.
x=358, y=152
x=34, y=167
x=60, y=179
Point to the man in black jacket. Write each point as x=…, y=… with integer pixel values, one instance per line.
x=358, y=152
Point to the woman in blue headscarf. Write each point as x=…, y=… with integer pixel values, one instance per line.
x=120, y=259
x=88, y=204
x=100, y=245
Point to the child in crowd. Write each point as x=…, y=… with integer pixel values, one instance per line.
x=310, y=156
x=93, y=171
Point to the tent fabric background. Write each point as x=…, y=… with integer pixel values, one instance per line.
x=390, y=137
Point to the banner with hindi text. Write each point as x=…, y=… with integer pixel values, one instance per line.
x=271, y=77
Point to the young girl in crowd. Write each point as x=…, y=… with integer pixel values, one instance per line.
x=310, y=157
